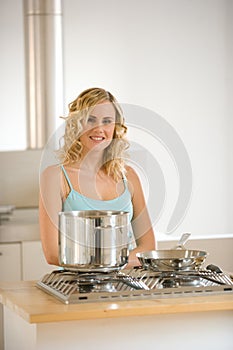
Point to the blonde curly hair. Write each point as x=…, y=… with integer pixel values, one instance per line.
x=79, y=109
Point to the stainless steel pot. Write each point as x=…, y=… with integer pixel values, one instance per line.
x=93, y=240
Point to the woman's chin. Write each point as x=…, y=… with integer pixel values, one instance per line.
x=99, y=146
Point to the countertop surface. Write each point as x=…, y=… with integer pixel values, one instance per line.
x=36, y=306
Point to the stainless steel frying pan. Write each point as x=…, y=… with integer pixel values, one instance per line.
x=174, y=259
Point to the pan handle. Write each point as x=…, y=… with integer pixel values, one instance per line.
x=183, y=239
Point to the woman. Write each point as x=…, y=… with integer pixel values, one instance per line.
x=93, y=174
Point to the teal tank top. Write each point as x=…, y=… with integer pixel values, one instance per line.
x=76, y=201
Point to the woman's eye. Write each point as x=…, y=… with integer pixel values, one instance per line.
x=91, y=120
x=107, y=121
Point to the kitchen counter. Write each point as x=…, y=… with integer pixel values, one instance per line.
x=34, y=311
x=36, y=306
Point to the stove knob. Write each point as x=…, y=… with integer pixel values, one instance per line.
x=214, y=268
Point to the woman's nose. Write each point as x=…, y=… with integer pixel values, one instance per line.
x=99, y=125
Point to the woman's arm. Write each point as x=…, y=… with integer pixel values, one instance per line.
x=141, y=222
x=50, y=205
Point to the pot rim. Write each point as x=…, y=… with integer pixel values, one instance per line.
x=91, y=214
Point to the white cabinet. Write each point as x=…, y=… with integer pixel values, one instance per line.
x=23, y=261
x=10, y=262
x=34, y=265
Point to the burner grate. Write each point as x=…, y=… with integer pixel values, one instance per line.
x=138, y=283
x=206, y=277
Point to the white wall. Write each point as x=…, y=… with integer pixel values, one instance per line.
x=171, y=57
x=12, y=73
x=229, y=75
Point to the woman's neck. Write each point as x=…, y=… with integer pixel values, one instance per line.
x=92, y=161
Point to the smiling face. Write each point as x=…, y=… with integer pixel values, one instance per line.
x=99, y=128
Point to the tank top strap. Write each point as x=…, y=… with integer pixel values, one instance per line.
x=125, y=181
x=67, y=177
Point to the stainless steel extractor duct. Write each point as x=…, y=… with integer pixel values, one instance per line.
x=44, y=68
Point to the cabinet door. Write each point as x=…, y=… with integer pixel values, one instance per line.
x=10, y=262
x=34, y=263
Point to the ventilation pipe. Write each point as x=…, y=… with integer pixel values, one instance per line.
x=44, y=69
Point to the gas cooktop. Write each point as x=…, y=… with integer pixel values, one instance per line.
x=138, y=283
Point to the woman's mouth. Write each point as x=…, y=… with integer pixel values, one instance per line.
x=97, y=138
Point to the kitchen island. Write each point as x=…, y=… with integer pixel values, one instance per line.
x=35, y=320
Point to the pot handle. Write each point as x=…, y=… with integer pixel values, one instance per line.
x=125, y=255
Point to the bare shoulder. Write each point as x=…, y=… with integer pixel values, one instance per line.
x=131, y=174
x=51, y=170
x=50, y=174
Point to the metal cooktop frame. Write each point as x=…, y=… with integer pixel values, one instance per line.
x=64, y=286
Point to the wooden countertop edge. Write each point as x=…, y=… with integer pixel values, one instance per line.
x=35, y=306
x=134, y=311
